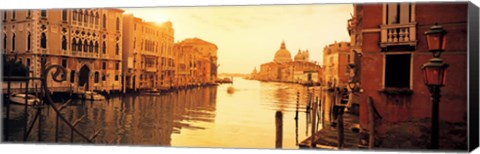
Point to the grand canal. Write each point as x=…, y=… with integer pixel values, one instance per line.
x=198, y=117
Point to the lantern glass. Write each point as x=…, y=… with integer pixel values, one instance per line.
x=436, y=41
x=434, y=75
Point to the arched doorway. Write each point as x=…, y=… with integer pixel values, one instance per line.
x=83, y=77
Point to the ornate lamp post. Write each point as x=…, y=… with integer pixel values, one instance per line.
x=434, y=73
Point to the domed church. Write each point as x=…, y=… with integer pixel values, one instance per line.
x=284, y=69
x=282, y=55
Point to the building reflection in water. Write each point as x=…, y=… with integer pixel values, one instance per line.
x=198, y=117
x=129, y=120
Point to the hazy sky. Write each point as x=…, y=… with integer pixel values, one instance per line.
x=248, y=36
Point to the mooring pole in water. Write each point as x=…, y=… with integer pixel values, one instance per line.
x=278, y=129
x=56, y=127
x=296, y=118
x=298, y=102
x=25, y=135
x=314, y=118
x=8, y=109
x=340, y=127
x=39, y=133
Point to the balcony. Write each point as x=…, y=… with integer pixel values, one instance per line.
x=85, y=54
x=150, y=69
x=398, y=35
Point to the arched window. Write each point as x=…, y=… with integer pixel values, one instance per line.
x=80, y=15
x=91, y=18
x=43, y=41
x=104, y=47
x=29, y=13
x=4, y=41
x=104, y=21
x=91, y=47
x=29, y=40
x=96, y=18
x=13, y=42
x=43, y=13
x=85, y=17
x=85, y=46
x=80, y=45
x=64, y=43
x=64, y=15
x=118, y=24
x=74, y=45
x=96, y=47
x=74, y=16
x=117, y=49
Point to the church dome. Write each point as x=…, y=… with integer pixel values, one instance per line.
x=282, y=55
x=300, y=56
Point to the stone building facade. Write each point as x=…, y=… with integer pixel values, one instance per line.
x=148, y=49
x=195, y=62
x=87, y=42
x=390, y=39
x=335, y=61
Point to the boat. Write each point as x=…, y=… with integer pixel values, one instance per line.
x=90, y=95
x=230, y=90
x=225, y=80
x=19, y=98
x=153, y=91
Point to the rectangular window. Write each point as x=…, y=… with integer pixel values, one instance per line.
x=28, y=62
x=398, y=13
x=116, y=77
x=397, y=70
x=14, y=14
x=104, y=65
x=43, y=13
x=64, y=15
x=96, y=77
x=64, y=63
x=72, y=76
x=117, y=66
x=104, y=78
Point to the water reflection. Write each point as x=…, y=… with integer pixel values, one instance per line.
x=199, y=117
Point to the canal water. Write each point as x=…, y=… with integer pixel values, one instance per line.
x=198, y=117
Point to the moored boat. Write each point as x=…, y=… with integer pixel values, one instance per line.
x=19, y=98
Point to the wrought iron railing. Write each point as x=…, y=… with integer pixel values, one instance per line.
x=44, y=93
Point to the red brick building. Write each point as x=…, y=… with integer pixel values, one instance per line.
x=390, y=39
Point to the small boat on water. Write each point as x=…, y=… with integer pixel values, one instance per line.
x=230, y=90
x=153, y=91
x=225, y=80
x=19, y=98
x=90, y=95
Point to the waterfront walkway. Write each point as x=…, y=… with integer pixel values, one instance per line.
x=327, y=138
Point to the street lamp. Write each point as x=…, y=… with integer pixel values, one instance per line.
x=434, y=75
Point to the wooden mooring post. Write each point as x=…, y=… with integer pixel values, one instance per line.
x=278, y=129
x=340, y=127
x=371, y=124
x=314, y=118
